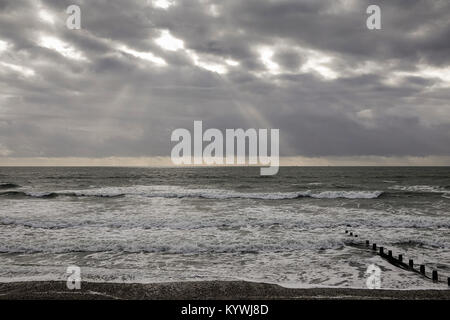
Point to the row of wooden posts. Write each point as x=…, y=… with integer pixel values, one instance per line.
x=399, y=261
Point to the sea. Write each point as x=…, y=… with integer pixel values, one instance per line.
x=146, y=225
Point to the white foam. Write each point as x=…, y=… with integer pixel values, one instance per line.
x=419, y=188
x=151, y=234
x=181, y=192
x=347, y=194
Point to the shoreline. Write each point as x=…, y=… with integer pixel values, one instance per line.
x=202, y=290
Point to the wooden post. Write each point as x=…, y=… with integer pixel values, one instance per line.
x=367, y=243
x=422, y=269
x=390, y=253
x=435, y=276
x=381, y=251
x=411, y=263
x=400, y=257
x=351, y=233
x=374, y=246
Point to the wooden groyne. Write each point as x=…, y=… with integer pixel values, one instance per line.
x=398, y=261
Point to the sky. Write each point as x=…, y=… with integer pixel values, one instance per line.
x=112, y=92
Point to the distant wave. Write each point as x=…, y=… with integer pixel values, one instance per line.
x=286, y=224
x=346, y=194
x=423, y=189
x=49, y=195
x=21, y=194
x=198, y=247
x=421, y=243
x=419, y=188
x=179, y=192
x=8, y=185
x=176, y=247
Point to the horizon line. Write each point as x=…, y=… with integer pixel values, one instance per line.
x=295, y=161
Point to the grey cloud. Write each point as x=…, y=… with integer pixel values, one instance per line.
x=116, y=104
x=289, y=59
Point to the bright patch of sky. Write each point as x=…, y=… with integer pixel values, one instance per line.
x=266, y=55
x=46, y=16
x=232, y=63
x=61, y=47
x=143, y=55
x=319, y=63
x=430, y=72
x=207, y=65
x=27, y=72
x=162, y=4
x=168, y=42
x=3, y=45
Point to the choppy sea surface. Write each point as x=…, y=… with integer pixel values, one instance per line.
x=183, y=224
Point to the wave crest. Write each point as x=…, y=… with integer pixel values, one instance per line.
x=419, y=188
x=180, y=192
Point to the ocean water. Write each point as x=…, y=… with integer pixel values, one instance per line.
x=184, y=224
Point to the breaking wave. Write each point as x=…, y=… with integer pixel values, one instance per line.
x=176, y=248
x=179, y=192
x=420, y=189
x=126, y=221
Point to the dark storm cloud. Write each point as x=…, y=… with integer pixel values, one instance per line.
x=331, y=86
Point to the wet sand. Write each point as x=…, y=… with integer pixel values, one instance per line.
x=220, y=290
